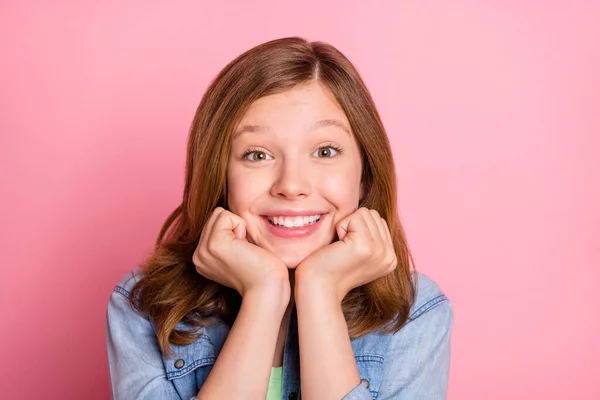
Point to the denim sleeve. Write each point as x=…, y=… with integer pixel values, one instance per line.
x=134, y=357
x=417, y=362
x=359, y=393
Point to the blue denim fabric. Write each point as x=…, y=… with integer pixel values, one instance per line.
x=410, y=364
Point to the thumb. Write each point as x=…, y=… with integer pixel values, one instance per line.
x=343, y=227
x=350, y=225
x=239, y=228
x=232, y=224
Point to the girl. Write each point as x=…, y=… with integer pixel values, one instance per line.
x=285, y=272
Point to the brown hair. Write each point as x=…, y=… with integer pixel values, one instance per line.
x=170, y=290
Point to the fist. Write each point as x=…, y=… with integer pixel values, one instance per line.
x=225, y=256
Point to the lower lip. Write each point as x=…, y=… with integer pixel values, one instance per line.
x=293, y=233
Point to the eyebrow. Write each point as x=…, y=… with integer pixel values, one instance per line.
x=324, y=123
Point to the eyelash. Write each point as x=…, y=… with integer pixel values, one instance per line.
x=250, y=151
x=338, y=150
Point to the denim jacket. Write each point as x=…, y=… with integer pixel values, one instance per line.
x=411, y=364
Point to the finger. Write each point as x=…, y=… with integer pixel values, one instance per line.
x=388, y=237
x=239, y=230
x=208, y=226
x=231, y=224
x=380, y=224
x=353, y=225
x=342, y=227
x=387, y=231
x=204, y=236
x=370, y=222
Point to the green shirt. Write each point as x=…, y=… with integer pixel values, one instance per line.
x=275, y=384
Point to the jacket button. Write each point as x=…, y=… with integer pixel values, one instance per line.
x=293, y=396
x=179, y=363
x=365, y=382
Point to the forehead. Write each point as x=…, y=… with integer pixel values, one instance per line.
x=304, y=104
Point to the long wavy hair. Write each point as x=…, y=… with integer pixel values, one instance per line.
x=170, y=290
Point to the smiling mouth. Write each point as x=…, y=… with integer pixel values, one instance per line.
x=294, y=222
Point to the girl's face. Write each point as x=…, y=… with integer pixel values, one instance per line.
x=294, y=171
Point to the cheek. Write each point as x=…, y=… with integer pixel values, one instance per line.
x=242, y=190
x=342, y=189
x=235, y=188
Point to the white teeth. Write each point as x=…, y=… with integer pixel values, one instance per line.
x=294, y=222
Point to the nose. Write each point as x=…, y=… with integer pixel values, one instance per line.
x=292, y=181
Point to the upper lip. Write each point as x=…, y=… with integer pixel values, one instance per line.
x=292, y=213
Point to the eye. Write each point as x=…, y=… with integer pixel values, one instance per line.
x=255, y=155
x=329, y=151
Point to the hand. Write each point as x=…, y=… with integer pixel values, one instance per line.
x=225, y=256
x=364, y=253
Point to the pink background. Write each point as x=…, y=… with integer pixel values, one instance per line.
x=493, y=109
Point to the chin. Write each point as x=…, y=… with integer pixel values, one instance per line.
x=293, y=253
x=291, y=261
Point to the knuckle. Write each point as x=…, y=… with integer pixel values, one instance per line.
x=196, y=258
x=199, y=264
x=361, y=211
x=213, y=247
x=386, y=226
x=200, y=257
x=392, y=261
x=228, y=214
